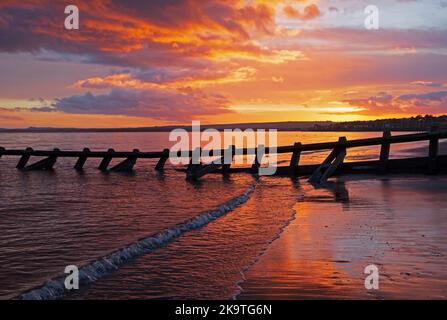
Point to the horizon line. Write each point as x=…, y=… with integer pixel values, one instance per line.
x=218, y=126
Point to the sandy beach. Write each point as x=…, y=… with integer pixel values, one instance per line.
x=397, y=223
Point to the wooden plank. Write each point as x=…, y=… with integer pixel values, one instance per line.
x=318, y=173
x=226, y=166
x=294, y=161
x=260, y=151
x=24, y=159
x=327, y=168
x=161, y=163
x=203, y=170
x=81, y=160
x=194, y=164
x=333, y=166
x=384, y=152
x=106, y=160
x=126, y=165
x=44, y=164
x=433, y=150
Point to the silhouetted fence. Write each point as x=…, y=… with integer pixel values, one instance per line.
x=334, y=163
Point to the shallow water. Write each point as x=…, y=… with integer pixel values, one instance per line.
x=208, y=262
x=53, y=219
x=398, y=224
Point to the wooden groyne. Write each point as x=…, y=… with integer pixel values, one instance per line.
x=433, y=163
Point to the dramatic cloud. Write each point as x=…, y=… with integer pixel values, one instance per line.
x=141, y=33
x=423, y=103
x=165, y=79
x=175, y=105
x=170, y=48
x=179, y=59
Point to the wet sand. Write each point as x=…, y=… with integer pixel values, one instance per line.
x=397, y=223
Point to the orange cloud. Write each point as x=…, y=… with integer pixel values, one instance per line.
x=310, y=12
x=126, y=80
x=214, y=30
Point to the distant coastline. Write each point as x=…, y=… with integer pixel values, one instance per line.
x=280, y=126
x=419, y=123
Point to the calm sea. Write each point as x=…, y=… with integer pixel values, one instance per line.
x=140, y=235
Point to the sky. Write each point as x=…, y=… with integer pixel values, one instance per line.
x=142, y=63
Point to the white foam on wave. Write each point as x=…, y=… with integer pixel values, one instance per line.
x=55, y=288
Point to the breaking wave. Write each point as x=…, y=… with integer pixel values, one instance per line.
x=55, y=288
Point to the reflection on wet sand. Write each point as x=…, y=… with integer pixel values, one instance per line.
x=338, y=190
x=398, y=224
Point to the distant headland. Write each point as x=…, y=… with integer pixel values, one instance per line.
x=417, y=123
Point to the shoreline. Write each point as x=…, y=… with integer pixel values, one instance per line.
x=394, y=222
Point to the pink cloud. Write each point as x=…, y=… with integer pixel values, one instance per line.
x=413, y=103
x=174, y=105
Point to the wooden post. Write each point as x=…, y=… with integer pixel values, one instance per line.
x=433, y=150
x=294, y=161
x=81, y=160
x=44, y=164
x=196, y=171
x=161, y=163
x=226, y=166
x=106, y=161
x=330, y=164
x=384, y=152
x=127, y=164
x=260, y=150
x=52, y=160
x=24, y=158
x=194, y=164
x=334, y=165
x=203, y=170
